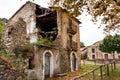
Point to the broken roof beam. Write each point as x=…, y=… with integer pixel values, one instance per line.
x=39, y=7
x=51, y=13
x=50, y=32
x=45, y=10
x=38, y=16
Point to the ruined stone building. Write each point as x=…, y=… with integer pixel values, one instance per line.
x=32, y=23
x=92, y=52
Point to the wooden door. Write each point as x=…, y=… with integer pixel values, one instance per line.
x=47, y=65
x=74, y=62
x=118, y=57
x=93, y=56
x=106, y=56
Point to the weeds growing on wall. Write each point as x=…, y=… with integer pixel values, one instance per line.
x=43, y=42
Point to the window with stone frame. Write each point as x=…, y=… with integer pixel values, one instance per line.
x=93, y=50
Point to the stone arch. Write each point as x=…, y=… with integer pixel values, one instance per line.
x=73, y=61
x=47, y=64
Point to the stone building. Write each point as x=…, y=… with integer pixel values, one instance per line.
x=32, y=23
x=92, y=52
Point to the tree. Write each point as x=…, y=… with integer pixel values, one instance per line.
x=1, y=27
x=73, y=6
x=82, y=45
x=109, y=10
x=110, y=44
x=1, y=31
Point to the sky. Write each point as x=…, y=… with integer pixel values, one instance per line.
x=89, y=32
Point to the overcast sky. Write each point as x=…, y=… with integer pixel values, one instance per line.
x=89, y=32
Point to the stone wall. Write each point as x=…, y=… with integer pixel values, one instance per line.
x=7, y=72
x=15, y=35
x=63, y=18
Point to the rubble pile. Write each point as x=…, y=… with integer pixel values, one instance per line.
x=7, y=72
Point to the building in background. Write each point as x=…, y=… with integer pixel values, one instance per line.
x=92, y=52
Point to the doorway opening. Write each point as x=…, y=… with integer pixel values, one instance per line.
x=48, y=64
x=73, y=62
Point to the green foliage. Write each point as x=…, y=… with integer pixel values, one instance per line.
x=115, y=75
x=110, y=44
x=1, y=27
x=108, y=9
x=1, y=31
x=82, y=45
x=89, y=67
x=17, y=62
x=5, y=54
x=44, y=41
x=73, y=6
x=24, y=50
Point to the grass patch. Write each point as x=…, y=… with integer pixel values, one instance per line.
x=115, y=75
x=88, y=67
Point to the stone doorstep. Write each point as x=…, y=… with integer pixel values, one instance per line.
x=60, y=75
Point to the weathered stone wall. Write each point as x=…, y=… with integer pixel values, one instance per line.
x=27, y=13
x=7, y=72
x=63, y=23
x=64, y=61
x=15, y=35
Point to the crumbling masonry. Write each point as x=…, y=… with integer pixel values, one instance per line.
x=33, y=22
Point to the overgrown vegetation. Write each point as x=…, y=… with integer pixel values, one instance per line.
x=43, y=42
x=14, y=61
x=115, y=75
x=1, y=27
x=22, y=55
x=24, y=50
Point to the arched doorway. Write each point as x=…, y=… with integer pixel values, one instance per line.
x=48, y=64
x=73, y=62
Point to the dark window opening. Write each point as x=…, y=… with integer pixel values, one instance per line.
x=46, y=22
x=9, y=32
x=74, y=62
x=70, y=38
x=30, y=61
x=93, y=50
